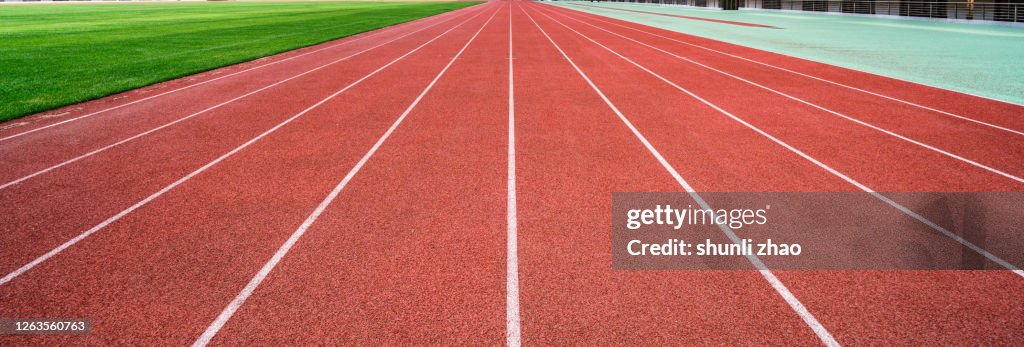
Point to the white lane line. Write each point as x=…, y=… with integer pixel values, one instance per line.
x=182, y=180
x=239, y=300
x=950, y=114
x=513, y=330
x=396, y=28
x=129, y=139
x=794, y=303
x=858, y=121
x=835, y=172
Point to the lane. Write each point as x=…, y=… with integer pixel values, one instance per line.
x=995, y=148
x=808, y=150
x=416, y=247
x=573, y=152
x=209, y=81
x=91, y=123
x=50, y=209
x=411, y=250
x=150, y=278
x=920, y=96
x=866, y=155
x=28, y=163
x=38, y=153
x=867, y=307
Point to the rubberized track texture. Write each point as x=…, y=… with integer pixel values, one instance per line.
x=411, y=186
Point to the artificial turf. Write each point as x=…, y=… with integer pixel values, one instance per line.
x=55, y=55
x=975, y=58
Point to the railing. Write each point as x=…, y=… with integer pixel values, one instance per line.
x=1005, y=11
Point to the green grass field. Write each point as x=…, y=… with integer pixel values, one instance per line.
x=55, y=55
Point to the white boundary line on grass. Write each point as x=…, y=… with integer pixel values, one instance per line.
x=369, y=35
x=831, y=170
x=776, y=284
x=168, y=124
x=249, y=288
x=182, y=180
x=1017, y=132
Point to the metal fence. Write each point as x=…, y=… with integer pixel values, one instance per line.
x=992, y=11
x=1000, y=11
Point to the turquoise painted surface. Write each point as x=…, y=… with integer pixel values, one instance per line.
x=981, y=59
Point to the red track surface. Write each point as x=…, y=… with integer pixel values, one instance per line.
x=224, y=225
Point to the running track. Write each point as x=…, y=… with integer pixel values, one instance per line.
x=447, y=181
